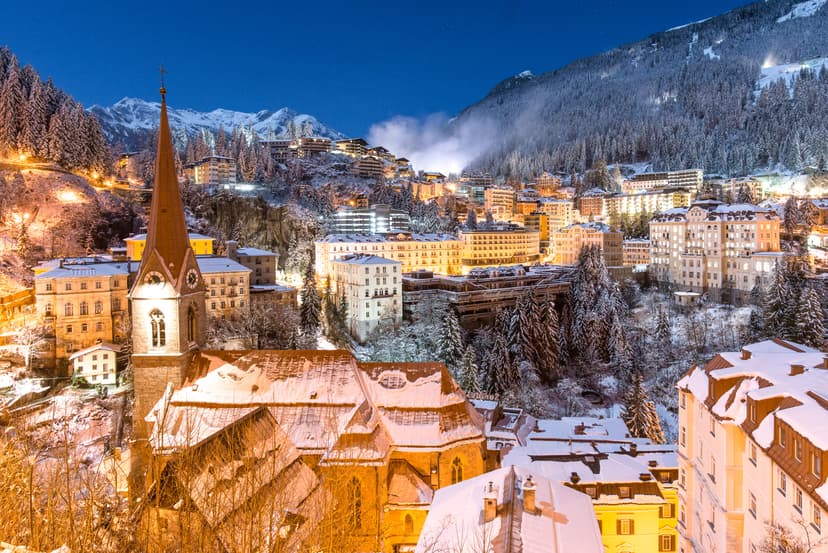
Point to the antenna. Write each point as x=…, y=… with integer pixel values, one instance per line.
x=163, y=72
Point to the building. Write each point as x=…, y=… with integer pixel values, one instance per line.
x=474, y=185
x=561, y=212
x=369, y=167
x=83, y=302
x=135, y=245
x=377, y=219
x=547, y=184
x=717, y=248
x=478, y=296
x=568, y=242
x=688, y=178
x=645, y=202
x=279, y=150
x=354, y=147
x=499, y=244
x=212, y=171
x=97, y=364
x=539, y=222
x=226, y=287
x=269, y=296
x=632, y=483
x=440, y=253
x=510, y=510
x=262, y=263
x=730, y=190
x=636, y=252
x=752, y=449
x=427, y=190
x=372, y=288
x=500, y=202
x=591, y=204
x=310, y=146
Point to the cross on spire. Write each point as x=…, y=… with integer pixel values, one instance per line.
x=163, y=72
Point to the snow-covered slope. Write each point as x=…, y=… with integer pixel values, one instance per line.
x=130, y=119
x=803, y=9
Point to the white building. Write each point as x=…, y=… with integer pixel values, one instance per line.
x=752, y=449
x=97, y=364
x=372, y=287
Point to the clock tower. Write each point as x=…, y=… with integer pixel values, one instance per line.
x=167, y=296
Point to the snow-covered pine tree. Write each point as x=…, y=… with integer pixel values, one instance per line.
x=548, y=343
x=311, y=305
x=621, y=354
x=35, y=136
x=521, y=330
x=663, y=332
x=639, y=413
x=774, y=306
x=471, y=219
x=811, y=327
x=498, y=370
x=12, y=108
x=467, y=375
x=450, y=348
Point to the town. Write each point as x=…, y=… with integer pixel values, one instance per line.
x=282, y=338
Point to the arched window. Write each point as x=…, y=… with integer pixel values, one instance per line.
x=355, y=503
x=84, y=308
x=98, y=307
x=192, y=324
x=158, y=329
x=67, y=310
x=456, y=470
x=409, y=525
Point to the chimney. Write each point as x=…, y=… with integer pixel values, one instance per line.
x=652, y=463
x=489, y=502
x=745, y=354
x=574, y=478
x=529, y=495
x=232, y=248
x=634, y=449
x=825, y=361
x=645, y=476
x=796, y=369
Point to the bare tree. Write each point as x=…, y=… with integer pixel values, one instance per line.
x=31, y=339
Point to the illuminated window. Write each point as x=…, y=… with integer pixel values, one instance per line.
x=68, y=310
x=666, y=542
x=625, y=527
x=158, y=329
x=409, y=524
x=84, y=308
x=355, y=503
x=456, y=471
x=816, y=517
x=624, y=492
x=98, y=307
x=816, y=463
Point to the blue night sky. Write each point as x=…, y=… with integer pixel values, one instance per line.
x=350, y=63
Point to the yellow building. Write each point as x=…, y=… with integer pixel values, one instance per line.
x=538, y=222
x=500, y=202
x=636, y=251
x=499, y=244
x=569, y=241
x=201, y=244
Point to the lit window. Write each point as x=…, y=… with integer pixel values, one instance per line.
x=798, y=500
x=456, y=471
x=752, y=504
x=816, y=463
x=624, y=492
x=625, y=527
x=355, y=503
x=666, y=542
x=816, y=518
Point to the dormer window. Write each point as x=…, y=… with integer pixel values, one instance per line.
x=783, y=436
x=816, y=463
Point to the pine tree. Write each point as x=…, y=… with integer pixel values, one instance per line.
x=640, y=414
x=12, y=109
x=621, y=354
x=547, y=343
x=450, y=344
x=498, y=370
x=471, y=219
x=522, y=326
x=663, y=332
x=311, y=305
x=774, y=307
x=810, y=323
x=468, y=372
x=35, y=137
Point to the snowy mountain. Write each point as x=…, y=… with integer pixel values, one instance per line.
x=130, y=120
x=739, y=92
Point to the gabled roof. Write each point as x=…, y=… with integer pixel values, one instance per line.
x=106, y=346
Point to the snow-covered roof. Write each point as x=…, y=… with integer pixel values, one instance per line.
x=143, y=237
x=96, y=347
x=563, y=520
x=88, y=270
x=400, y=237
x=360, y=259
x=594, y=225
x=256, y=251
x=212, y=264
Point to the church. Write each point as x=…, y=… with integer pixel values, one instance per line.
x=269, y=449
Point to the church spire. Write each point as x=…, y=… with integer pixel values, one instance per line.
x=167, y=230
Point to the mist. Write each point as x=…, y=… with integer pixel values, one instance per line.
x=434, y=143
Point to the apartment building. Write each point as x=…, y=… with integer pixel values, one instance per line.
x=311, y=146
x=372, y=288
x=548, y=184
x=262, y=263
x=712, y=247
x=648, y=201
x=212, y=170
x=499, y=244
x=569, y=241
x=354, y=147
x=752, y=449
x=227, y=287
x=368, y=167
x=688, y=178
x=279, y=149
x=135, y=245
x=377, y=219
x=561, y=212
x=539, y=222
x=729, y=189
x=97, y=364
x=440, y=253
x=636, y=251
x=500, y=202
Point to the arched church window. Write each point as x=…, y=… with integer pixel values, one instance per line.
x=157, y=328
x=192, y=324
x=355, y=503
x=456, y=470
x=409, y=525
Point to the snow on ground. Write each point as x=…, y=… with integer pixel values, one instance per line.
x=803, y=9
x=711, y=54
x=787, y=71
x=687, y=25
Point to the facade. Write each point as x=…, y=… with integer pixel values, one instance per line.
x=271, y=295
x=648, y=201
x=369, y=167
x=279, y=150
x=377, y=219
x=499, y=245
x=311, y=146
x=569, y=241
x=500, y=202
x=135, y=245
x=631, y=482
x=478, y=296
x=591, y=204
x=538, y=222
x=212, y=170
x=226, y=287
x=83, y=303
x=688, y=178
x=636, y=251
x=712, y=247
x=752, y=449
x=510, y=510
x=97, y=364
x=548, y=184
x=561, y=212
x=434, y=252
x=729, y=189
x=354, y=147
x=372, y=288
x=262, y=263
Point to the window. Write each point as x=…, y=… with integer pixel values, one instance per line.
x=816, y=463
x=591, y=491
x=116, y=304
x=712, y=474
x=816, y=517
x=752, y=504
x=354, y=503
x=192, y=325
x=683, y=436
x=49, y=310
x=68, y=310
x=409, y=525
x=783, y=436
x=798, y=449
x=624, y=492
x=68, y=331
x=752, y=410
x=712, y=426
x=97, y=285
x=158, y=329
x=48, y=286
x=667, y=511
x=456, y=470
x=753, y=453
x=84, y=308
x=798, y=500
x=666, y=542
x=625, y=527
x=783, y=483
x=83, y=286
x=68, y=286
x=84, y=327
x=682, y=400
